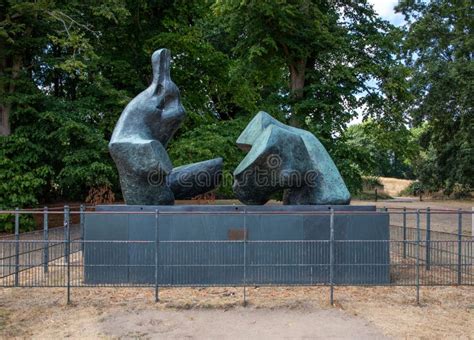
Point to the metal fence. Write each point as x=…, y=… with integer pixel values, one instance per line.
x=42, y=252
x=418, y=257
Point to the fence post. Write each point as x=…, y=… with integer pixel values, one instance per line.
x=245, y=257
x=157, y=258
x=81, y=225
x=428, y=238
x=66, y=227
x=331, y=256
x=459, y=246
x=404, y=232
x=17, y=247
x=46, y=240
x=418, y=238
x=67, y=243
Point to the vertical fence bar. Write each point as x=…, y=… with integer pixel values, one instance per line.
x=428, y=239
x=81, y=225
x=331, y=256
x=404, y=232
x=46, y=240
x=157, y=258
x=67, y=245
x=245, y=257
x=459, y=246
x=66, y=227
x=418, y=238
x=17, y=247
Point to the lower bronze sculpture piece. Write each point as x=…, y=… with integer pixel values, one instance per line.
x=286, y=158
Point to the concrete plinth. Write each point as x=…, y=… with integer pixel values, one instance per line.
x=271, y=255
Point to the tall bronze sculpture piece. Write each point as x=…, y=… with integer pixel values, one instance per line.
x=138, y=145
x=288, y=159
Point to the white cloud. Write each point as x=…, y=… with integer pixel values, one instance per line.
x=385, y=8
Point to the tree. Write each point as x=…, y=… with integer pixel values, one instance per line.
x=328, y=51
x=65, y=77
x=68, y=68
x=439, y=47
x=47, y=69
x=382, y=152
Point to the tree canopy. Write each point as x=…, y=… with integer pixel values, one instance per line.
x=68, y=68
x=439, y=49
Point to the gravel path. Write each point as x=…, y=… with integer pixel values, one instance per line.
x=239, y=323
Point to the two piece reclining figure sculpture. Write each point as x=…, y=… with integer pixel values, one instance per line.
x=279, y=158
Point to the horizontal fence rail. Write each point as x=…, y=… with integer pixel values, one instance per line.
x=37, y=251
x=414, y=255
x=182, y=263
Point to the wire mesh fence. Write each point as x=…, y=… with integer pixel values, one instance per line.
x=38, y=253
x=61, y=258
x=183, y=263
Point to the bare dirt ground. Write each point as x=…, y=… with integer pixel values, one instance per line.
x=296, y=312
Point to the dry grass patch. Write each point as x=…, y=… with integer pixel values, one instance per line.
x=444, y=311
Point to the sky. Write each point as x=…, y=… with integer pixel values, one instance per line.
x=385, y=9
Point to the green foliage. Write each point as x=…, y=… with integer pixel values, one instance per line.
x=414, y=189
x=383, y=150
x=347, y=158
x=68, y=68
x=22, y=176
x=372, y=182
x=208, y=141
x=321, y=63
x=65, y=157
x=438, y=48
x=319, y=60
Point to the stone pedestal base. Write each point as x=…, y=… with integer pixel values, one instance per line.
x=271, y=254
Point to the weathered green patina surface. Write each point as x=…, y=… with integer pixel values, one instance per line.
x=286, y=158
x=138, y=145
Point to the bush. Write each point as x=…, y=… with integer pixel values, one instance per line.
x=414, y=189
x=7, y=223
x=371, y=183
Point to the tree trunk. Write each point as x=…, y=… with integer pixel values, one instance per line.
x=3, y=91
x=6, y=107
x=10, y=67
x=297, y=79
x=4, y=122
